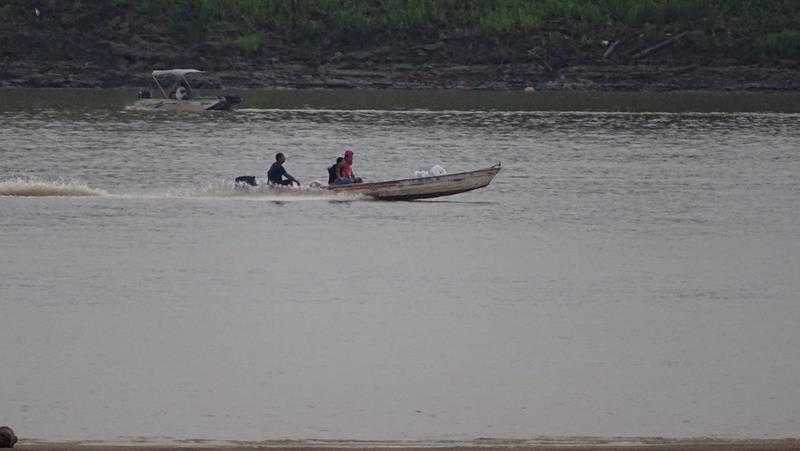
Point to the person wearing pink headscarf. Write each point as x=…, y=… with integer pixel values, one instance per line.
x=346, y=174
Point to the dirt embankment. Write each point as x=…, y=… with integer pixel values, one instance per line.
x=48, y=47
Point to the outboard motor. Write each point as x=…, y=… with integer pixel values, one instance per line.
x=144, y=94
x=242, y=182
x=233, y=99
x=7, y=437
x=226, y=102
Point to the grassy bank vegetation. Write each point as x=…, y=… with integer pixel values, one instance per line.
x=772, y=26
x=751, y=29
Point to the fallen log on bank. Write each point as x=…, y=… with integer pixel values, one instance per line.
x=611, y=48
x=660, y=45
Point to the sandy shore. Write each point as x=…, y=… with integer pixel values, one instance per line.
x=478, y=445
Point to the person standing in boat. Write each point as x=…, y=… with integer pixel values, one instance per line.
x=346, y=174
x=277, y=175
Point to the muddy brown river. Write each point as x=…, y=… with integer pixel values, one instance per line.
x=633, y=271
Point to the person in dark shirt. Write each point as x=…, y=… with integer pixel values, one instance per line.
x=277, y=175
x=334, y=172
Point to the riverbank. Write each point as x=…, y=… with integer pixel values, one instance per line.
x=610, y=45
x=511, y=77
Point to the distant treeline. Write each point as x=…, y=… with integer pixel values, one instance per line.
x=753, y=28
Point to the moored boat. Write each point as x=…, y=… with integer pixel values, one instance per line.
x=180, y=97
x=423, y=187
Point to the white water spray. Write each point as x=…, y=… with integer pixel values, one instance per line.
x=22, y=187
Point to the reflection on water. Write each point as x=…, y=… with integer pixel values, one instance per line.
x=626, y=274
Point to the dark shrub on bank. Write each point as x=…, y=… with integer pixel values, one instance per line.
x=785, y=44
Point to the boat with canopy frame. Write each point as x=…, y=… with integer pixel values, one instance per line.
x=179, y=97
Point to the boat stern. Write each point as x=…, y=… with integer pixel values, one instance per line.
x=226, y=102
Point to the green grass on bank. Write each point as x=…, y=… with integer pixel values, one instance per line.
x=491, y=15
x=770, y=27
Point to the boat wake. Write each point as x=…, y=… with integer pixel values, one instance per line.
x=22, y=187
x=25, y=187
x=228, y=189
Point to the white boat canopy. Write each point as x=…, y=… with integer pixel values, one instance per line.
x=175, y=72
x=179, y=73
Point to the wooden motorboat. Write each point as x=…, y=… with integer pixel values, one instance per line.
x=424, y=187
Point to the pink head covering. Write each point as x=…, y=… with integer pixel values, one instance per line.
x=348, y=153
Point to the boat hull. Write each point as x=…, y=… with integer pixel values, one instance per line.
x=187, y=106
x=422, y=188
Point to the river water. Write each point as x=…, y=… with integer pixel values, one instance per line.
x=634, y=269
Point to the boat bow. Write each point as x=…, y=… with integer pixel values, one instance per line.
x=423, y=187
